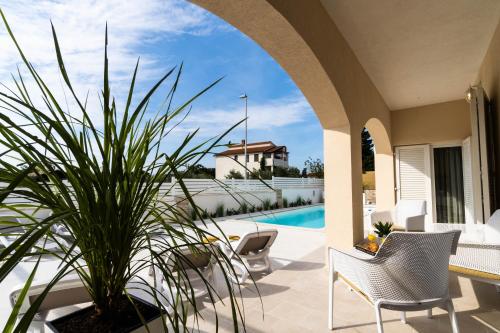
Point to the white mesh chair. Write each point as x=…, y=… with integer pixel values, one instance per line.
x=407, y=215
x=250, y=253
x=192, y=267
x=408, y=273
x=478, y=252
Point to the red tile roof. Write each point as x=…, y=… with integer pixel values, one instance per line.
x=255, y=147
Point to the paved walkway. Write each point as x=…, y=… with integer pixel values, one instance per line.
x=294, y=299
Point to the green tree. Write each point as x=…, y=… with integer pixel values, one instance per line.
x=367, y=151
x=304, y=173
x=234, y=174
x=315, y=168
x=292, y=172
x=262, y=163
x=199, y=171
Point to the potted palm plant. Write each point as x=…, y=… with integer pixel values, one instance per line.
x=383, y=229
x=110, y=202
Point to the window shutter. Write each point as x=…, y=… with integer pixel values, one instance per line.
x=413, y=175
x=468, y=189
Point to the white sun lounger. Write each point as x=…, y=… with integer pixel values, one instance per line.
x=478, y=252
x=250, y=253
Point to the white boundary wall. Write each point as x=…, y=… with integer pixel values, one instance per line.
x=208, y=193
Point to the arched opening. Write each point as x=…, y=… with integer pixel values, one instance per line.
x=383, y=164
x=368, y=169
x=325, y=69
x=288, y=48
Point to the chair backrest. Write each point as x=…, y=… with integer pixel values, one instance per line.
x=256, y=241
x=494, y=220
x=492, y=229
x=69, y=291
x=185, y=262
x=406, y=208
x=190, y=258
x=11, y=230
x=414, y=265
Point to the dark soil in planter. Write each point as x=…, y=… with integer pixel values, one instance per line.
x=125, y=320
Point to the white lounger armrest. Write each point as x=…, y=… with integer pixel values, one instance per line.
x=415, y=223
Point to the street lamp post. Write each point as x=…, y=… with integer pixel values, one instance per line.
x=245, y=97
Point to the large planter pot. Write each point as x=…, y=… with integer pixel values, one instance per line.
x=81, y=321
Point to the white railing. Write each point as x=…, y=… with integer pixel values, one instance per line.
x=283, y=182
x=205, y=186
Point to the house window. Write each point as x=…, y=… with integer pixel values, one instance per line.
x=255, y=157
x=267, y=155
x=235, y=157
x=248, y=158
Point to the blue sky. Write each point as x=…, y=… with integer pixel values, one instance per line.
x=164, y=34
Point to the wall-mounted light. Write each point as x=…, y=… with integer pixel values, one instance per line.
x=468, y=94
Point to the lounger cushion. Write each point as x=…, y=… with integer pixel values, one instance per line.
x=199, y=260
x=255, y=244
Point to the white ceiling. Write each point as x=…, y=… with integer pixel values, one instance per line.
x=418, y=52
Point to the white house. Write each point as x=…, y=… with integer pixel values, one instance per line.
x=234, y=157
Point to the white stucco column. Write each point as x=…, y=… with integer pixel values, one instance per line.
x=384, y=180
x=343, y=187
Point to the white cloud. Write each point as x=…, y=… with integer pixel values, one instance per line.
x=261, y=116
x=80, y=27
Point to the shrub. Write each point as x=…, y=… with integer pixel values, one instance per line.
x=252, y=209
x=309, y=202
x=285, y=203
x=219, y=210
x=299, y=201
x=244, y=208
x=266, y=204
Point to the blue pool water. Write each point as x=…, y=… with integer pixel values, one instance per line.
x=313, y=217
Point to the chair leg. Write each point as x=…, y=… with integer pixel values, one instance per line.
x=429, y=313
x=378, y=315
x=268, y=264
x=453, y=316
x=403, y=317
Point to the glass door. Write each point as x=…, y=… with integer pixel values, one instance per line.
x=449, y=185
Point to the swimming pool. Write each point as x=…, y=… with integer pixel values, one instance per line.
x=312, y=217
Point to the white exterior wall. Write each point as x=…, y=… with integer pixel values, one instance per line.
x=280, y=163
x=224, y=164
x=207, y=193
x=211, y=201
x=314, y=194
